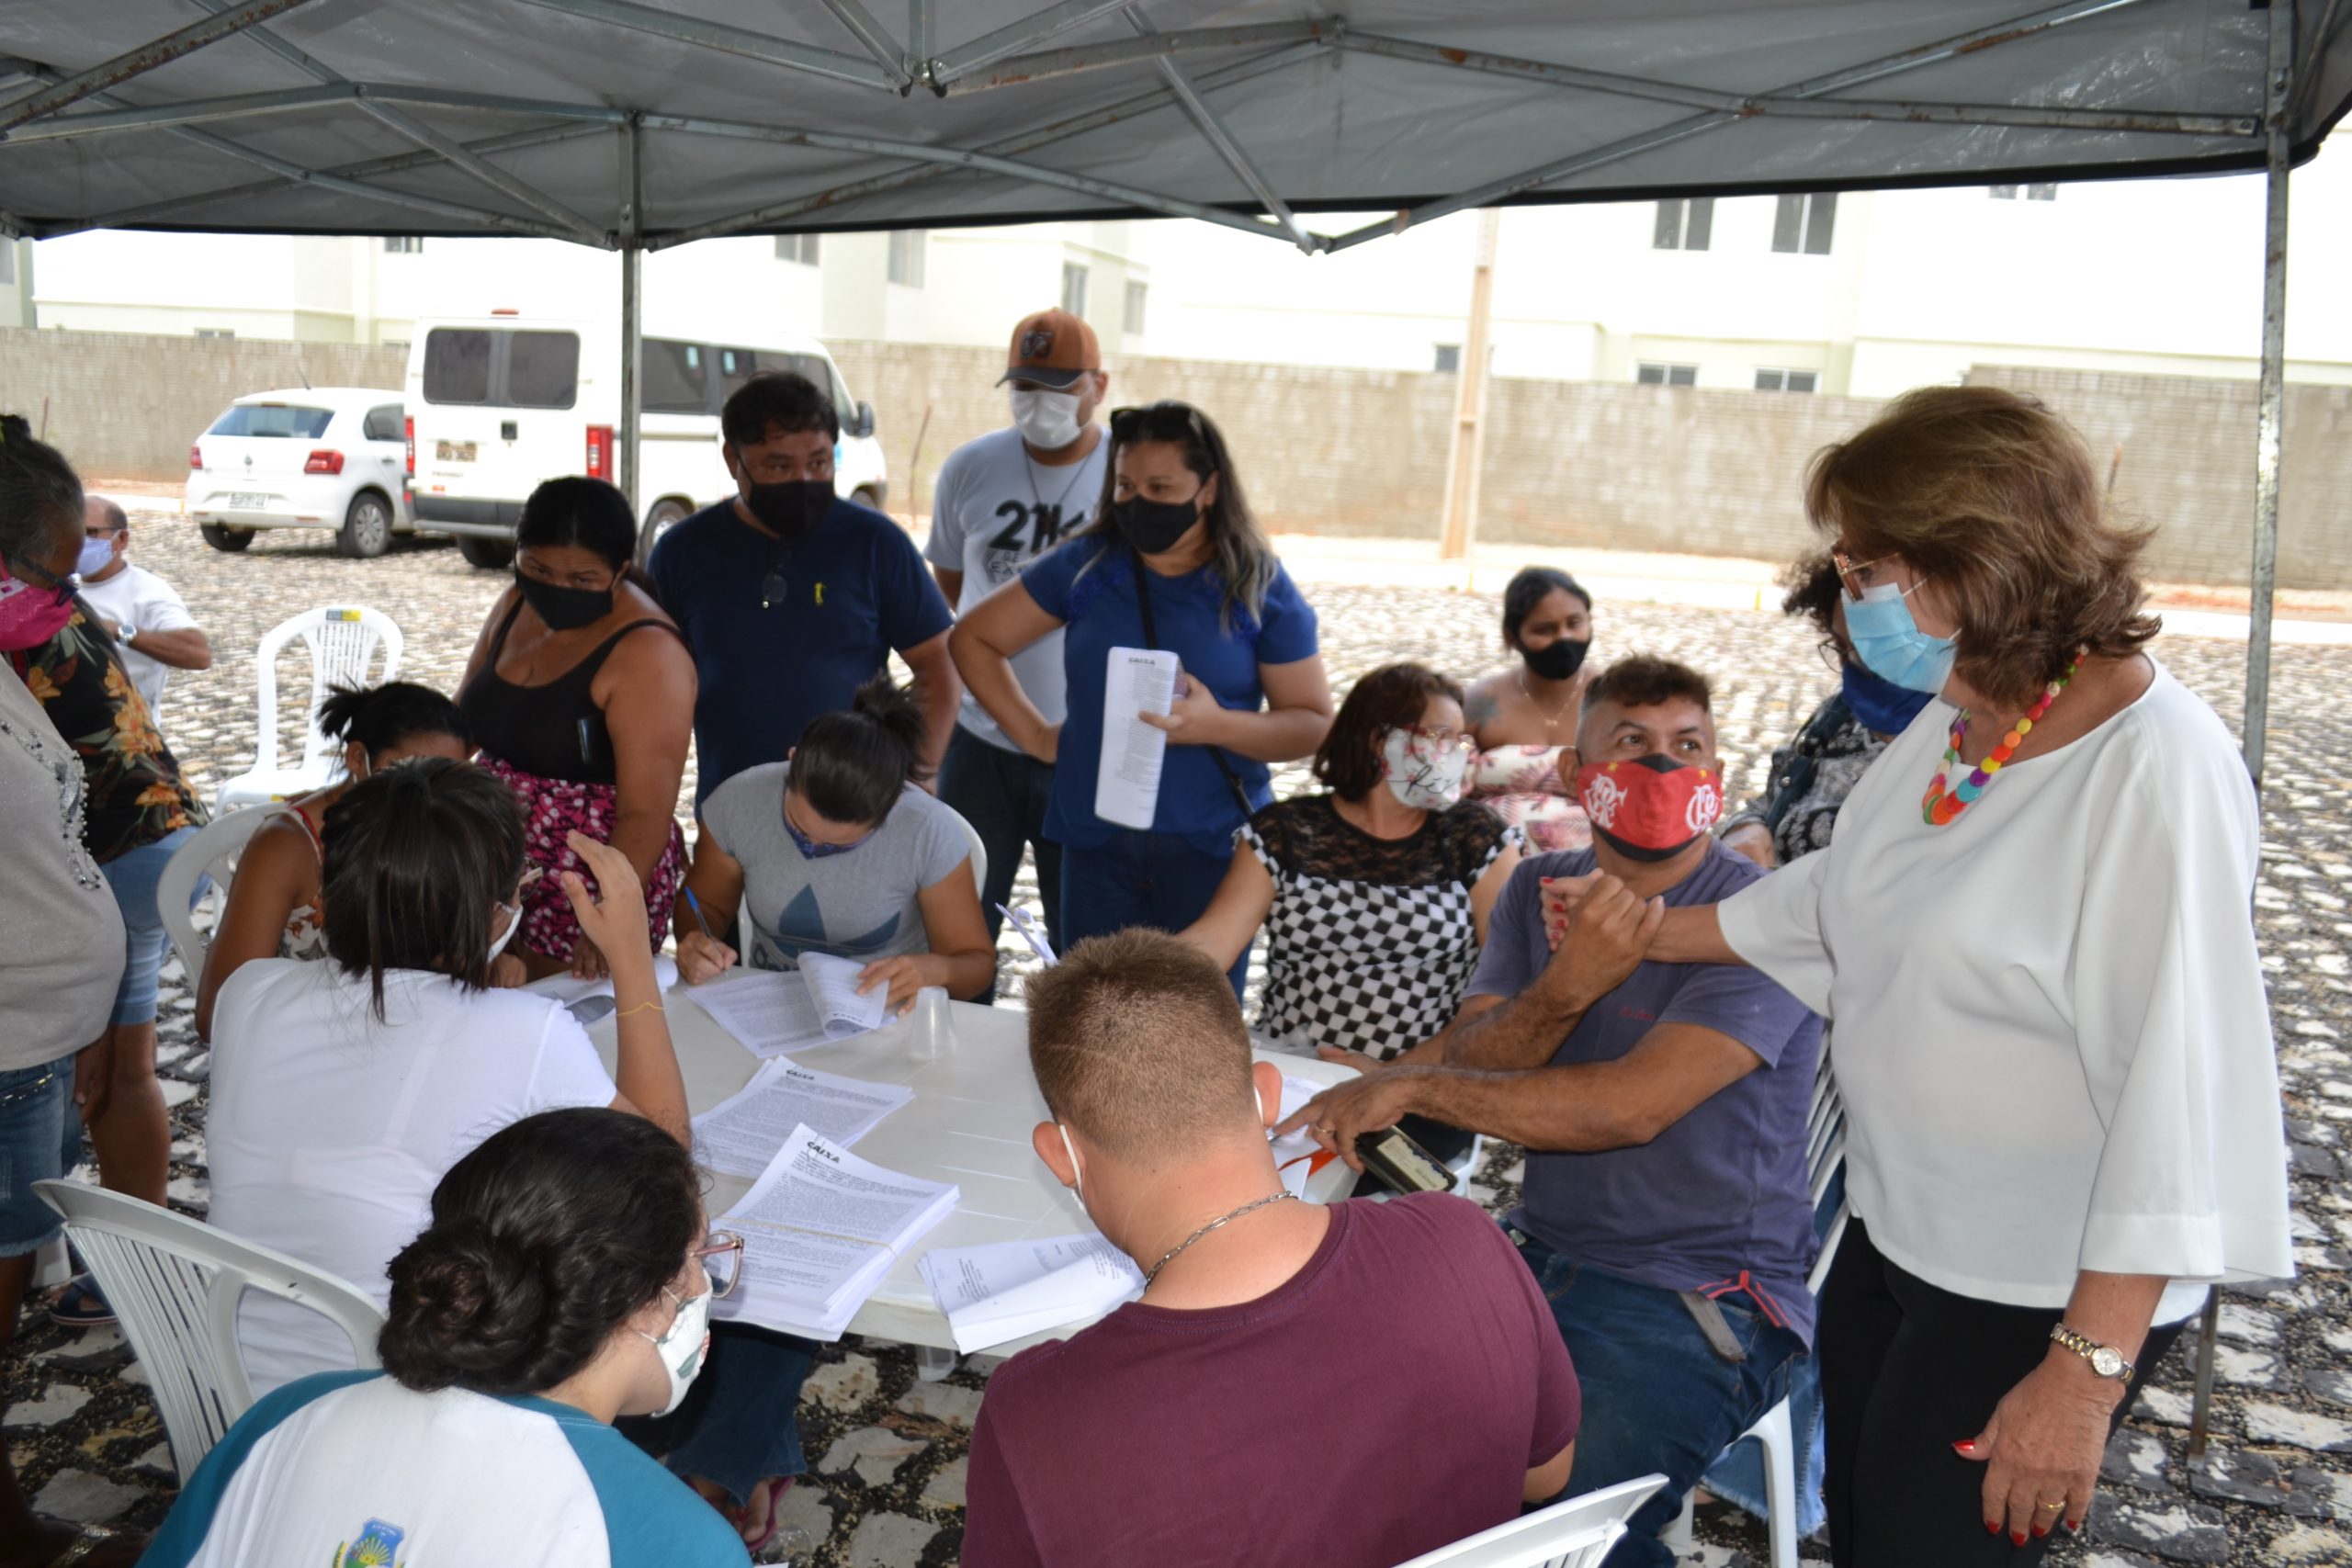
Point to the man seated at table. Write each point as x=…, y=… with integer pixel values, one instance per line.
x=1344, y=1386
x=1663, y=1107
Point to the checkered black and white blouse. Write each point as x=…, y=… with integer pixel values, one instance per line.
x=1370, y=942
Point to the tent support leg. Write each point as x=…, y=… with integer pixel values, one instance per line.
x=628, y=476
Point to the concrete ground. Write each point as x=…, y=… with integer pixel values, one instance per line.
x=887, y=1450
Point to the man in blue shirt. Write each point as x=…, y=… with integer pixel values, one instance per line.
x=1665, y=1210
x=791, y=597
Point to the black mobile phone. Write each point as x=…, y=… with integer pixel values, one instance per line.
x=1403, y=1164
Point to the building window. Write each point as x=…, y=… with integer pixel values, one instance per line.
x=1449, y=358
x=1804, y=223
x=216, y=332
x=1649, y=373
x=403, y=244
x=2032, y=192
x=1138, y=296
x=1770, y=380
x=1074, y=288
x=906, y=247
x=1684, y=225
x=802, y=248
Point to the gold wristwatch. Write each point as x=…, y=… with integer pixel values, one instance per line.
x=2105, y=1360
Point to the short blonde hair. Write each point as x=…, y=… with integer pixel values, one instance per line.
x=1995, y=499
x=1136, y=1042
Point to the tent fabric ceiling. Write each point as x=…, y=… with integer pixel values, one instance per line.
x=768, y=116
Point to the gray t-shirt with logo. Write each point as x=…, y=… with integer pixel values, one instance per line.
x=994, y=510
x=860, y=904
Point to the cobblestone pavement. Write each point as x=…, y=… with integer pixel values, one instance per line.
x=887, y=1485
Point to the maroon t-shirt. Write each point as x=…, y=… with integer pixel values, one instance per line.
x=1388, y=1398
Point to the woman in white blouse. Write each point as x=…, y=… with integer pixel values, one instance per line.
x=2063, y=1114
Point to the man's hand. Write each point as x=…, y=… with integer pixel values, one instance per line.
x=1342, y=1114
x=1601, y=936
x=1354, y=1061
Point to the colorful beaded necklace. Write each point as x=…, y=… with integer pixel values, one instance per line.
x=1938, y=807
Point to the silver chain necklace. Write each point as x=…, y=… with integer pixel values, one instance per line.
x=1222, y=1220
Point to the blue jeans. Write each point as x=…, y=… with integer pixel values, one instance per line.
x=1003, y=794
x=1141, y=879
x=738, y=1426
x=1658, y=1397
x=36, y=1107
x=133, y=875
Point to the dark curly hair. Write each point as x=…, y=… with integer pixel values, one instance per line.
x=1391, y=698
x=380, y=718
x=852, y=766
x=544, y=1240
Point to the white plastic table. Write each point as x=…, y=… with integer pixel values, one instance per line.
x=968, y=1122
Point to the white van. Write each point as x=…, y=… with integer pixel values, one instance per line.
x=498, y=403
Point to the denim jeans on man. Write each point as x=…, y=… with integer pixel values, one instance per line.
x=1003, y=794
x=1658, y=1398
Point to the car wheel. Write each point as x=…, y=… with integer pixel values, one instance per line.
x=366, y=527
x=495, y=553
x=221, y=538
x=666, y=514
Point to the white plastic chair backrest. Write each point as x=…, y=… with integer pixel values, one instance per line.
x=213, y=852
x=1825, y=1154
x=343, y=640
x=175, y=1282
x=1574, y=1534
x=979, y=850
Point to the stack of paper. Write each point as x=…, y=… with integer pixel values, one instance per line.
x=820, y=1228
x=742, y=1133
x=778, y=1011
x=1295, y=1155
x=1127, y=773
x=566, y=990
x=990, y=1294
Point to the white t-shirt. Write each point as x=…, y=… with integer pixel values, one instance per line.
x=2051, y=1032
x=136, y=597
x=352, y=1468
x=328, y=1131
x=993, y=510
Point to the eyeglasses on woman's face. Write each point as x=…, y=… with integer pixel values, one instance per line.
x=1441, y=740
x=721, y=1258
x=1879, y=571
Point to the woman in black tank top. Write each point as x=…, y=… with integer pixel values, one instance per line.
x=581, y=693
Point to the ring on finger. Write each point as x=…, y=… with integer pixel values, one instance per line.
x=2049, y=1507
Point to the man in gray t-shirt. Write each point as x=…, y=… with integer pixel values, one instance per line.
x=1001, y=501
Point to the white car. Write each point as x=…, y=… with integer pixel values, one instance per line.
x=309, y=457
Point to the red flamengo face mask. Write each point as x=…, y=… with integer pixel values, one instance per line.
x=1652, y=808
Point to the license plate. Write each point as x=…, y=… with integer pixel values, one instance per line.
x=248, y=501
x=454, y=451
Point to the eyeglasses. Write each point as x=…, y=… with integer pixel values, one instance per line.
x=721, y=1257
x=1833, y=656
x=1849, y=571
x=1167, y=420
x=1441, y=740
x=775, y=587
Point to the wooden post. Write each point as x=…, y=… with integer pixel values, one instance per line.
x=1470, y=407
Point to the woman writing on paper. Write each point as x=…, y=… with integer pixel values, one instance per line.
x=838, y=850
x=1177, y=562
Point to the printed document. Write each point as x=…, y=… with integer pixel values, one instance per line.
x=991, y=1295
x=566, y=989
x=775, y=1012
x=832, y=985
x=1126, y=780
x=741, y=1135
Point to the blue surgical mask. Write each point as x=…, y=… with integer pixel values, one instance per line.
x=96, y=557
x=809, y=848
x=1890, y=642
x=1882, y=707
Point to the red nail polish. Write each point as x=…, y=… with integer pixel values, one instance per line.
x=2074, y=1524
x=1966, y=1446
x=2017, y=1538
x=1991, y=1528
x=2040, y=1530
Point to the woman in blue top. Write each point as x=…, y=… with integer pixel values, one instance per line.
x=1176, y=561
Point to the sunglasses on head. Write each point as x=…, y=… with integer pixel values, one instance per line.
x=1165, y=421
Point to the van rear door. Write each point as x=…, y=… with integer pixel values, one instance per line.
x=497, y=414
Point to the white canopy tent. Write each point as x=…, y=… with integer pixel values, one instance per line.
x=637, y=126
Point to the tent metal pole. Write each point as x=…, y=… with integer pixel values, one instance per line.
x=726, y=39
x=632, y=236
x=145, y=58
x=1022, y=69
x=989, y=48
x=482, y=169
x=918, y=31
x=163, y=117
x=875, y=38
x=1012, y=146
x=1697, y=125
x=1220, y=139
x=2270, y=420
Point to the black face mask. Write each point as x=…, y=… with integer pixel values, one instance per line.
x=1557, y=660
x=790, y=508
x=564, y=609
x=1154, y=526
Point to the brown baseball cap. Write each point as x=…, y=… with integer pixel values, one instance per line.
x=1052, y=348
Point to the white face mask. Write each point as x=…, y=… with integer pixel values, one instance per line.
x=1420, y=773
x=1047, y=420
x=1077, y=1175
x=512, y=927
x=681, y=1348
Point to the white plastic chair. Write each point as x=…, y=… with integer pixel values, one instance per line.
x=175, y=1282
x=1825, y=1152
x=213, y=852
x=1574, y=1534
x=343, y=643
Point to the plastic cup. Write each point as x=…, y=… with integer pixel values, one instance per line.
x=934, y=1030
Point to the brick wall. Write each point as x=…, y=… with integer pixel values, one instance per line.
x=126, y=405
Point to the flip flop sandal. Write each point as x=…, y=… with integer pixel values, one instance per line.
x=776, y=1489
x=80, y=1305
